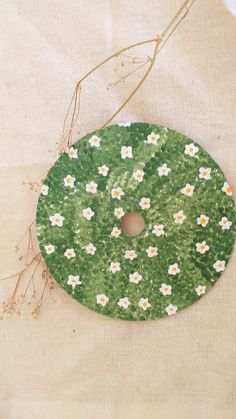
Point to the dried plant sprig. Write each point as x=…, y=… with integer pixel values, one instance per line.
x=159, y=42
x=33, y=262
x=137, y=62
x=33, y=269
x=11, y=305
x=39, y=302
x=30, y=250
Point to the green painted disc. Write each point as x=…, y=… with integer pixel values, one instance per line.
x=169, y=180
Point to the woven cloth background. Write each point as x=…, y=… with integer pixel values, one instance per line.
x=73, y=363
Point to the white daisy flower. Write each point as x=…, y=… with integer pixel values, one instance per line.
x=103, y=170
x=227, y=189
x=138, y=175
x=73, y=280
x=202, y=247
x=158, y=230
x=49, y=249
x=119, y=212
x=69, y=253
x=152, y=251
x=179, y=217
x=102, y=299
x=153, y=138
x=117, y=193
x=165, y=289
x=219, y=265
x=114, y=267
x=69, y=181
x=201, y=289
x=125, y=124
x=94, y=141
x=202, y=220
x=191, y=150
x=91, y=187
x=124, y=302
x=90, y=249
x=126, y=152
x=135, y=278
x=188, y=190
x=163, y=170
x=205, y=173
x=173, y=269
x=57, y=219
x=115, y=232
x=171, y=309
x=145, y=203
x=44, y=190
x=130, y=254
x=225, y=223
x=144, y=304
x=72, y=153
x=88, y=213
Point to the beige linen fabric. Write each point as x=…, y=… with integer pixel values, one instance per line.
x=73, y=363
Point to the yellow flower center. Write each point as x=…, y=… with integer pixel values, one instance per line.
x=188, y=190
x=229, y=189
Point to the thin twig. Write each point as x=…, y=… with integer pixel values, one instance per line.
x=27, y=231
x=159, y=40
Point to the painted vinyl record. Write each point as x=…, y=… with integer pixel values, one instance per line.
x=184, y=211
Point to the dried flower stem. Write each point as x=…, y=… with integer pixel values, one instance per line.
x=10, y=305
x=127, y=75
x=159, y=41
x=37, y=308
x=39, y=261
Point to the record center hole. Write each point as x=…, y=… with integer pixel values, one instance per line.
x=132, y=224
